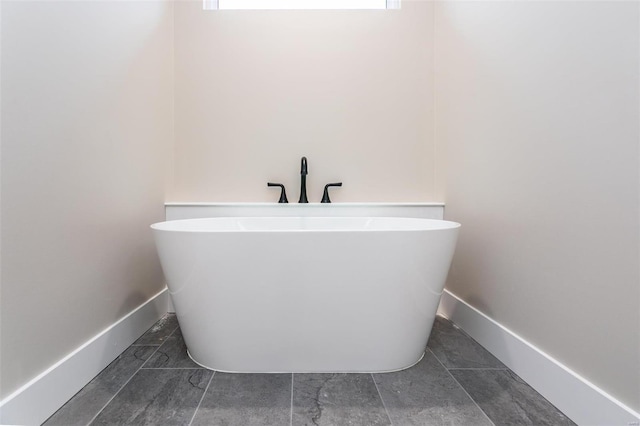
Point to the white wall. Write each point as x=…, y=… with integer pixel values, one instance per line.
x=1, y=36
x=537, y=113
x=86, y=138
x=537, y=153
x=257, y=90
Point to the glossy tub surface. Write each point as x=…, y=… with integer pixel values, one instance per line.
x=306, y=294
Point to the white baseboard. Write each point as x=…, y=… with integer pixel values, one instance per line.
x=37, y=400
x=576, y=397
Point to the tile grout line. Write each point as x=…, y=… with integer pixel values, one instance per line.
x=381, y=399
x=152, y=344
x=202, y=398
x=127, y=382
x=461, y=387
x=478, y=368
x=175, y=368
x=291, y=410
x=458, y=328
x=464, y=333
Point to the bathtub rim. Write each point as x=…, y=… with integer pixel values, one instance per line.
x=164, y=226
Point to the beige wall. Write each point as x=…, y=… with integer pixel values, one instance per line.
x=537, y=109
x=537, y=130
x=86, y=135
x=351, y=90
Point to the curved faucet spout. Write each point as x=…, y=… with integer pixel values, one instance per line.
x=303, y=181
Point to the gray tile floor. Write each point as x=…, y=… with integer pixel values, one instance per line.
x=457, y=382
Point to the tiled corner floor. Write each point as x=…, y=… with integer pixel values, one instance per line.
x=457, y=383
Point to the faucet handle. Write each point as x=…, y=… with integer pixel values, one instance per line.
x=325, y=196
x=283, y=193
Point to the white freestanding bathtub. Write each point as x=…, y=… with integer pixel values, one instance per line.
x=306, y=294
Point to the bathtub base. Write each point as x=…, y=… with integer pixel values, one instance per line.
x=357, y=371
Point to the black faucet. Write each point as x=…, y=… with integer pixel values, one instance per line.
x=283, y=193
x=303, y=181
x=325, y=195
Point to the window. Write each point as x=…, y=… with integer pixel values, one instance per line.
x=301, y=4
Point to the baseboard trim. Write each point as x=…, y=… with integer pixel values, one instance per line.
x=38, y=399
x=582, y=401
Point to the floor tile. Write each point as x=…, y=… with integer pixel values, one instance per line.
x=507, y=399
x=337, y=399
x=455, y=349
x=456, y=378
x=246, y=399
x=80, y=409
x=157, y=334
x=172, y=354
x=157, y=397
x=426, y=394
